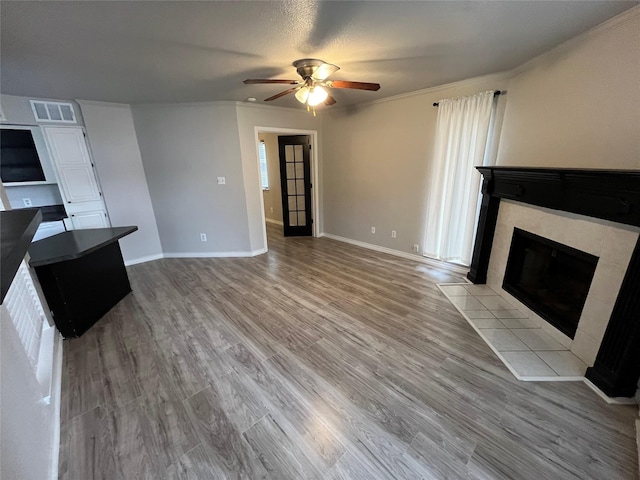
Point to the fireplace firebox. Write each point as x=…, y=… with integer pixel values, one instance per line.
x=550, y=278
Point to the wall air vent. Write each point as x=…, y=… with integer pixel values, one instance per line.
x=53, y=112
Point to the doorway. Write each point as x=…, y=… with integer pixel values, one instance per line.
x=295, y=181
x=271, y=198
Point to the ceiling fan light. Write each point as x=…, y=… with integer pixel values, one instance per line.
x=317, y=95
x=302, y=94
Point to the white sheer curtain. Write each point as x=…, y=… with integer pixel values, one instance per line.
x=461, y=141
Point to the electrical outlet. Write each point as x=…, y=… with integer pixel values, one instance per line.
x=416, y=248
x=393, y=234
x=373, y=229
x=27, y=202
x=203, y=237
x=271, y=209
x=222, y=181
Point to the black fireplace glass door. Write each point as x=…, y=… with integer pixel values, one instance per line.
x=551, y=279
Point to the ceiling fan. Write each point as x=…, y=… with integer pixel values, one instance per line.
x=311, y=90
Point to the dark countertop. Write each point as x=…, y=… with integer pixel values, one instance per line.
x=74, y=244
x=17, y=228
x=50, y=213
x=53, y=213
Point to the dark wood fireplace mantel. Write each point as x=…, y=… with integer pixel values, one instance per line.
x=612, y=195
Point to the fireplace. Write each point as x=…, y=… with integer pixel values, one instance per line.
x=550, y=278
x=611, y=199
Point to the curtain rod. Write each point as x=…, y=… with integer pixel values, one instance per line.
x=495, y=94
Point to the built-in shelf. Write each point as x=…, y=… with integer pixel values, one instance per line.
x=27, y=184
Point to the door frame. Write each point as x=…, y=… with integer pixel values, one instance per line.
x=315, y=190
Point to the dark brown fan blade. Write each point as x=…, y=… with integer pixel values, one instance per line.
x=330, y=100
x=249, y=81
x=281, y=94
x=356, y=85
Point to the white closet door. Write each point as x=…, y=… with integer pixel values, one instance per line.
x=73, y=164
x=93, y=219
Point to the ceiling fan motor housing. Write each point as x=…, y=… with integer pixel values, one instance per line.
x=306, y=66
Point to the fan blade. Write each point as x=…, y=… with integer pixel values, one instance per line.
x=281, y=94
x=250, y=81
x=330, y=100
x=356, y=85
x=324, y=70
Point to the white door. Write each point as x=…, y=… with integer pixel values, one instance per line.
x=92, y=219
x=73, y=164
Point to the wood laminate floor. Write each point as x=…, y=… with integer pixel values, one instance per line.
x=317, y=360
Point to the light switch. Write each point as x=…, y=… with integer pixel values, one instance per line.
x=222, y=181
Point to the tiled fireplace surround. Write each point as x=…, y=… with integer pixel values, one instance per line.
x=613, y=243
x=596, y=211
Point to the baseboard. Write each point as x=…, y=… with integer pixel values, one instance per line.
x=275, y=222
x=608, y=399
x=149, y=258
x=457, y=269
x=638, y=440
x=56, y=393
x=252, y=253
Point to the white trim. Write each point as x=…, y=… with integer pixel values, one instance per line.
x=56, y=394
x=102, y=104
x=492, y=77
x=315, y=191
x=612, y=23
x=610, y=400
x=506, y=75
x=159, y=256
x=59, y=104
x=263, y=106
x=275, y=222
x=148, y=258
x=251, y=253
x=456, y=269
x=213, y=103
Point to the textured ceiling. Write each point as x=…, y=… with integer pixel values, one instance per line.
x=140, y=52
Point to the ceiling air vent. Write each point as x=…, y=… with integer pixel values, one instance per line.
x=55, y=112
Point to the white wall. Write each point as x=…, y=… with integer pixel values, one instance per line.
x=273, y=196
x=25, y=437
x=376, y=164
x=30, y=427
x=114, y=145
x=184, y=148
x=249, y=117
x=40, y=195
x=578, y=105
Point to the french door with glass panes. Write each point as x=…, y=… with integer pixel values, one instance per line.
x=295, y=178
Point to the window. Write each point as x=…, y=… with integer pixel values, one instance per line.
x=460, y=145
x=264, y=175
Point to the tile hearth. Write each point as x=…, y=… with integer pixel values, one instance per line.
x=524, y=347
